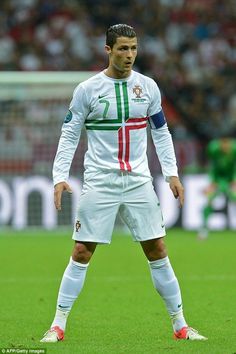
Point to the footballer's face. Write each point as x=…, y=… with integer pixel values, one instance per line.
x=122, y=56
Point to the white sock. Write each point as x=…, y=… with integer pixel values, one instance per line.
x=167, y=286
x=71, y=285
x=60, y=319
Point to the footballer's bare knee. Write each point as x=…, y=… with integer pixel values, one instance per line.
x=154, y=249
x=83, y=251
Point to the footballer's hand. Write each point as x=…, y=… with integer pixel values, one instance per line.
x=177, y=189
x=58, y=190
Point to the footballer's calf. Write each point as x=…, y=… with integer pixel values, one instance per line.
x=83, y=251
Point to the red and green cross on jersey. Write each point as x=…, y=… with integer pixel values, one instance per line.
x=123, y=124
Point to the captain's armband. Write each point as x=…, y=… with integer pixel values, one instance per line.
x=157, y=120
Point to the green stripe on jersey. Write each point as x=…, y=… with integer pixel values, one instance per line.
x=102, y=127
x=100, y=121
x=98, y=124
x=118, y=102
x=126, y=99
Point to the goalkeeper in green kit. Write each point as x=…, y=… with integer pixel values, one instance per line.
x=222, y=158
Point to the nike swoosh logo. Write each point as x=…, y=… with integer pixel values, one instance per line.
x=179, y=305
x=63, y=307
x=101, y=96
x=162, y=226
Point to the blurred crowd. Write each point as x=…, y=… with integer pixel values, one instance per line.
x=187, y=46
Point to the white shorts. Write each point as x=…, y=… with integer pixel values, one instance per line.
x=104, y=195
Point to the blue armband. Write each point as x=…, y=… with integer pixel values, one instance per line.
x=157, y=120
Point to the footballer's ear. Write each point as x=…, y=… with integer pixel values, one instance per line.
x=108, y=49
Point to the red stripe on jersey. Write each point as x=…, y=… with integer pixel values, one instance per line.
x=133, y=127
x=127, y=148
x=127, y=141
x=136, y=120
x=120, y=151
x=125, y=162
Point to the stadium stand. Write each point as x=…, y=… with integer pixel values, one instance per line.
x=188, y=46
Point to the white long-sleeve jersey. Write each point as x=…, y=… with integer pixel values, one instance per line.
x=115, y=113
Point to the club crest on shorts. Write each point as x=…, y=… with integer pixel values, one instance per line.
x=137, y=90
x=77, y=226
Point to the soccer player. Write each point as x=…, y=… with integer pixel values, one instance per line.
x=222, y=158
x=115, y=106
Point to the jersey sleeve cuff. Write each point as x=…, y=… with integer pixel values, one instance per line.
x=58, y=180
x=167, y=178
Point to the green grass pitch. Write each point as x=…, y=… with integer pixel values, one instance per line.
x=118, y=311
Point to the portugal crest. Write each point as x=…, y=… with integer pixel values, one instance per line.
x=137, y=90
x=77, y=226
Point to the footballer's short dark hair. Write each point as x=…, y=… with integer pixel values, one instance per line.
x=120, y=30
